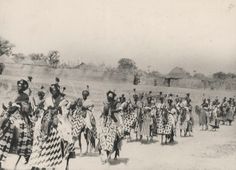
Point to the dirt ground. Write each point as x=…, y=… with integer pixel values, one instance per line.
x=206, y=150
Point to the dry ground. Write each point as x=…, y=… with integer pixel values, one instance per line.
x=206, y=150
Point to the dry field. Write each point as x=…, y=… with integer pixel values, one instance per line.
x=205, y=150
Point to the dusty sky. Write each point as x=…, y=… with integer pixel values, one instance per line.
x=195, y=34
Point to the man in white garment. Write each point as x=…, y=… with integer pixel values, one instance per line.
x=87, y=108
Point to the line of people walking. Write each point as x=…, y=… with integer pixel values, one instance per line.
x=44, y=128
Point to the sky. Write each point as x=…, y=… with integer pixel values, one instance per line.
x=161, y=34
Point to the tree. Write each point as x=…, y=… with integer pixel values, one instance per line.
x=136, y=79
x=5, y=47
x=231, y=75
x=223, y=76
x=18, y=57
x=126, y=64
x=37, y=56
x=53, y=58
x=154, y=74
x=199, y=76
x=220, y=75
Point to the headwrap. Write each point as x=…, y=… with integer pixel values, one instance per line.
x=23, y=84
x=85, y=93
x=54, y=87
x=170, y=101
x=41, y=94
x=111, y=94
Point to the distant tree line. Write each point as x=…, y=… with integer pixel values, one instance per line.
x=52, y=59
x=126, y=66
x=224, y=76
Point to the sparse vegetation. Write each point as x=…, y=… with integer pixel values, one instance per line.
x=5, y=47
x=124, y=72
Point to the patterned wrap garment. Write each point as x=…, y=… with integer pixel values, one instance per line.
x=17, y=123
x=110, y=127
x=8, y=121
x=159, y=118
x=47, y=150
x=129, y=116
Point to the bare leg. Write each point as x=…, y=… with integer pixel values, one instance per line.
x=86, y=136
x=27, y=159
x=80, y=144
x=108, y=155
x=151, y=132
x=17, y=161
x=67, y=163
x=185, y=132
x=102, y=157
x=172, y=136
x=141, y=137
x=93, y=143
x=117, y=153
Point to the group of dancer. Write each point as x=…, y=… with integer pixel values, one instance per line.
x=214, y=112
x=44, y=128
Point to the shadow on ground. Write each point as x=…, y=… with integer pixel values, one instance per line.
x=119, y=161
x=88, y=154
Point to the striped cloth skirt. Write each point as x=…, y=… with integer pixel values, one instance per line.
x=22, y=141
x=107, y=137
x=48, y=153
x=25, y=140
x=68, y=150
x=78, y=123
x=5, y=143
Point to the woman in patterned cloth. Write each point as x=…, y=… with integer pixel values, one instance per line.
x=17, y=122
x=170, y=128
x=77, y=118
x=81, y=118
x=166, y=122
x=147, y=121
x=230, y=111
x=110, y=134
x=48, y=149
x=129, y=116
x=185, y=120
x=159, y=116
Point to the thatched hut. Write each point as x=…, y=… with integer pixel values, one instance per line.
x=176, y=74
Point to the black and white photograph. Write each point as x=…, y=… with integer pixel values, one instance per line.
x=117, y=84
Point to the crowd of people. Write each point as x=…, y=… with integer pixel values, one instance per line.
x=44, y=128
